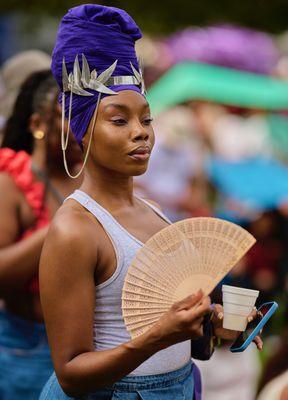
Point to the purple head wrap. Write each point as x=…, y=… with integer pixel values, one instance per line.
x=103, y=35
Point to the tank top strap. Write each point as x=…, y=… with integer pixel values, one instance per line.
x=103, y=216
x=117, y=233
x=156, y=209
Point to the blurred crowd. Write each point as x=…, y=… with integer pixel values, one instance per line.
x=229, y=160
x=212, y=157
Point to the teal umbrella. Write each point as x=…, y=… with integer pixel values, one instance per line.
x=197, y=81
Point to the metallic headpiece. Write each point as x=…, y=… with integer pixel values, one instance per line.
x=77, y=83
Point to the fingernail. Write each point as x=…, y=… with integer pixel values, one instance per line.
x=220, y=315
x=250, y=319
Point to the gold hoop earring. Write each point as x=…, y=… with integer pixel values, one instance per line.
x=38, y=134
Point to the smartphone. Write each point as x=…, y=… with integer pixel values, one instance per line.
x=265, y=311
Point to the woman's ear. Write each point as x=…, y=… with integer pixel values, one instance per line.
x=37, y=126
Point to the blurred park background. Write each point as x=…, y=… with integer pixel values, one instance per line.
x=217, y=81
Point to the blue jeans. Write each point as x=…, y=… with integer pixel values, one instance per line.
x=175, y=385
x=25, y=363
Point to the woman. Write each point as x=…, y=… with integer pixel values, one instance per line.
x=96, y=233
x=33, y=184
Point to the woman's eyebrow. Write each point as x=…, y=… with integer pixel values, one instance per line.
x=122, y=107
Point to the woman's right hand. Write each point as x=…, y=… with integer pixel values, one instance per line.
x=183, y=321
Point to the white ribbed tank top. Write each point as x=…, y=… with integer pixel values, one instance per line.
x=109, y=327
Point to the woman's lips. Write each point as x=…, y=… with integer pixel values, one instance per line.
x=140, y=156
x=141, y=153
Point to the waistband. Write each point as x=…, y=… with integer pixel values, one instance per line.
x=154, y=381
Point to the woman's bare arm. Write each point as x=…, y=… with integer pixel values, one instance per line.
x=18, y=261
x=67, y=290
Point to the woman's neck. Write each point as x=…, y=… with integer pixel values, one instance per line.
x=52, y=168
x=109, y=188
x=38, y=157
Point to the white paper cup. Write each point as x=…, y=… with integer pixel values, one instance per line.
x=237, y=304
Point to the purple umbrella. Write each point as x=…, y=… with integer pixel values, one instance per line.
x=226, y=45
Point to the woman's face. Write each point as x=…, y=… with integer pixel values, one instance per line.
x=123, y=136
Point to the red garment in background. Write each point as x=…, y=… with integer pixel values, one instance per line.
x=18, y=166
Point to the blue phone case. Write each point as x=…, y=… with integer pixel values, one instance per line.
x=258, y=327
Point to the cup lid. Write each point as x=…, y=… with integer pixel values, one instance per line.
x=238, y=290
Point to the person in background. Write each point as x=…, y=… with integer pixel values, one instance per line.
x=33, y=184
x=266, y=257
x=274, y=381
x=13, y=73
x=224, y=380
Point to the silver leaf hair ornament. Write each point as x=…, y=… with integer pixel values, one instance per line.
x=77, y=81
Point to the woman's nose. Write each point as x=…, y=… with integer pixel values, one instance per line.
x=139, y=133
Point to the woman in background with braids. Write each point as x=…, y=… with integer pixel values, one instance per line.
x=32, y=185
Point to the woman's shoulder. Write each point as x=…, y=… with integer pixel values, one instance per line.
x=12, y=175
x=15, y=164
x=73, y=226
x=16, y=173
x=7, y=184
x=11, y=202
x=69, y=249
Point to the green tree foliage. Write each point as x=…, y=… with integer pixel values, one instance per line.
x=166, y=16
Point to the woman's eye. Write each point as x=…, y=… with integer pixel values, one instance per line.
x=148, y=121
x=119, y=121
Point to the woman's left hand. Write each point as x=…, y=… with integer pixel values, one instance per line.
x=227, y=334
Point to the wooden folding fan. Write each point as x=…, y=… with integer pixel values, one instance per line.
x=175, y=263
